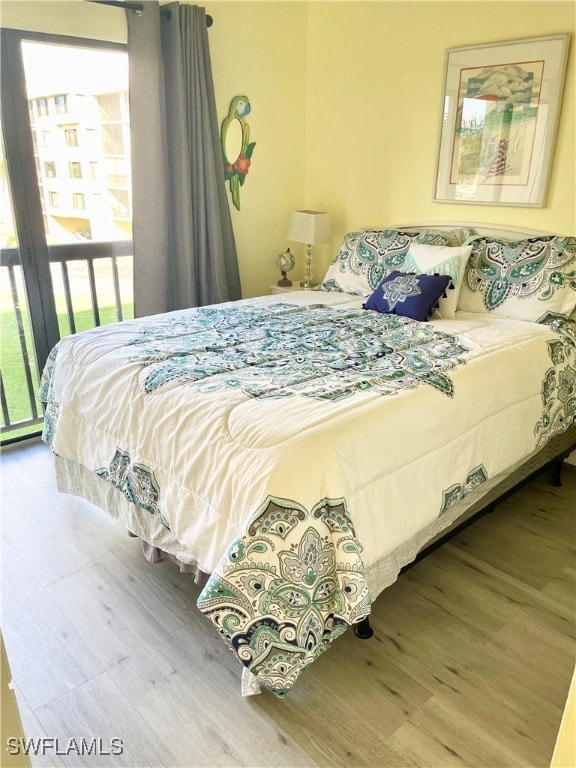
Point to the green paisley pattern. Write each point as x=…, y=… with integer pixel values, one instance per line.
x=366, y=257
x=534, y=268
x=284, y=351
x=46, y=395
x=136, y=481
x=458, y=491
x=288, y=588
x=559, y=385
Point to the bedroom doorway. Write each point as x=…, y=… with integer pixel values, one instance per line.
x=65, y=206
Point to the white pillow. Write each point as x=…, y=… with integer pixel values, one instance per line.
x=442, y=260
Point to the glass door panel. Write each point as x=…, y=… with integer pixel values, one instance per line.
x=72, y=204
x=78, y=106
x=20, y=410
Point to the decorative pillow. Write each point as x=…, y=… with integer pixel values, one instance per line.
x=366, y=257
x=453, y=236
x=408, y=294
x=440, y=260
x=523, y=280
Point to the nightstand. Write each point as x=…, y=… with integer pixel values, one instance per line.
x=286, y=289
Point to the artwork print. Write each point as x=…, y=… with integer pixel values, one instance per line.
x=500, y=113
x=494, y=140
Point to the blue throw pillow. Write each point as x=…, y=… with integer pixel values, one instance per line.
x=408, y=294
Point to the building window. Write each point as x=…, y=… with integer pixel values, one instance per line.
x=75, y=170
x=61, y=102
x=46, y=139
x=50, y=169
x=113, y=139
x=53, y=199
x=93, y=169
x=71, y=135
x=35, y=140
x=116, y=173
x=109, y=104
x=41, y=107
x=78, y=200
x=90, y=138
x=119, y=204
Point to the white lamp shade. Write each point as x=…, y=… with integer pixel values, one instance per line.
x=310, y=227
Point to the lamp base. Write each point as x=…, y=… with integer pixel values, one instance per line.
x=307, y=284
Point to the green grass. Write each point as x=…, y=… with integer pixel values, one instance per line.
x=12, y=366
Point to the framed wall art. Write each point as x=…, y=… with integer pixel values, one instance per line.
x=499, y=120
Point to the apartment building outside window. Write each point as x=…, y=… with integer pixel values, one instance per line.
x=41, y=107
x=61, y=102
x=46, y=139
x=53, y=199
x=75, y=170
x=109, y=104
x=50, y=169
x=78, y=200
x=113, y=139
x=116, y=172
x=119, y=203
x=71, y=135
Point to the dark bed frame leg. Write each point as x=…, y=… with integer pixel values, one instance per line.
x=556, y=476
x=363, y=630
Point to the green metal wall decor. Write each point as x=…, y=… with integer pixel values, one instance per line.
x=236, y=146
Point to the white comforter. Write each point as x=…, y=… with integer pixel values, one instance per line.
x=201, y=459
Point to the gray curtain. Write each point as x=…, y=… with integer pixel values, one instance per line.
x=184, y=248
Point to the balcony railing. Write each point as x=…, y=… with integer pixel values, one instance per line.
x=92, y=285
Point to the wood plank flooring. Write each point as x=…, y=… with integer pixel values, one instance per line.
x=470, y=663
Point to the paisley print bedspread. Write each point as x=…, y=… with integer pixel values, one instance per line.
x=284, y=447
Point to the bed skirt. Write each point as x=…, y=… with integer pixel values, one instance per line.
x=159, y=543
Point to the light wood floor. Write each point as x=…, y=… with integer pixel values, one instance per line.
x=469, y=666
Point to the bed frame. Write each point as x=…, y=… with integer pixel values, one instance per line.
x=552, y=455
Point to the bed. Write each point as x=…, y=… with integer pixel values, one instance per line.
x=294, y=452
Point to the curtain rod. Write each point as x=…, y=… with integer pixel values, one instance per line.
x=139, y=8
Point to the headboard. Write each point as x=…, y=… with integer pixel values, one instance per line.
x=488, y=230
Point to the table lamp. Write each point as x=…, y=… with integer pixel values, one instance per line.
x=310, y=228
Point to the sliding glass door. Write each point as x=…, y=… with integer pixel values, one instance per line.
x=65, y=226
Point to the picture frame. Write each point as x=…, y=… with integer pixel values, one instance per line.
x=500, y=114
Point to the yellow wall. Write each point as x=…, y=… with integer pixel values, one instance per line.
x=259, y=49
x=375, y=80
x=346, y=100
